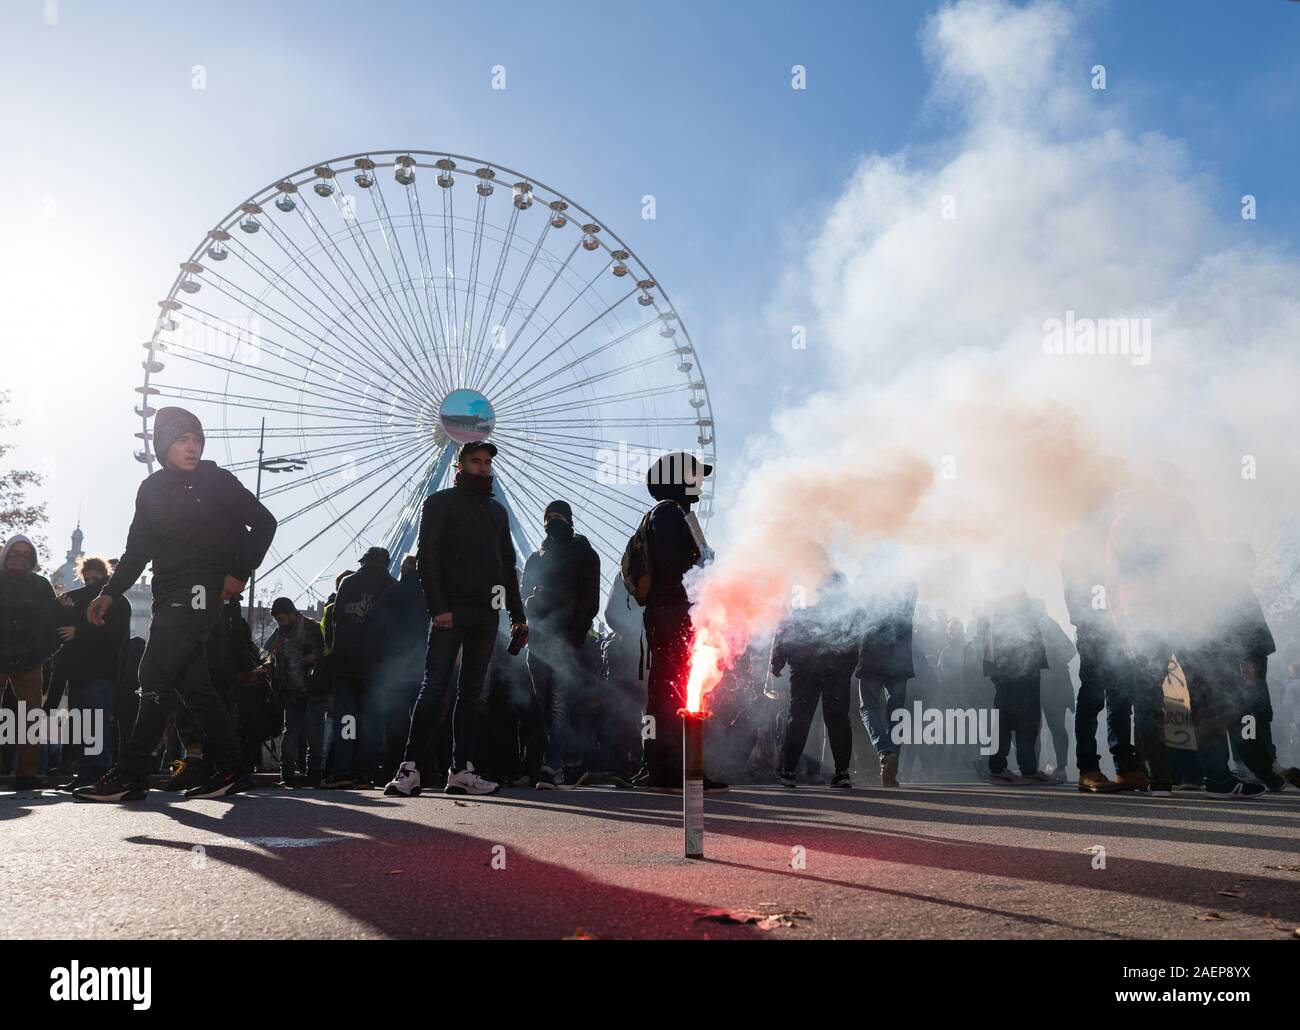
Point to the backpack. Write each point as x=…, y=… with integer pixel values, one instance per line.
x=635, y=566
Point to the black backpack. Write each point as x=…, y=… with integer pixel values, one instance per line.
x=635, y=566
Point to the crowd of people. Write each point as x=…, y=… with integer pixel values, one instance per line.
x=465, y=673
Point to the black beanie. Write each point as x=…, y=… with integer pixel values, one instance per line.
x=169, y=425
x=374, y=555
x=560, y=508
x=283, y=606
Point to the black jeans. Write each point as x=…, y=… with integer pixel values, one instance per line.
x=668, y=635
x=1019, y=713
x=549, y=725
x=807, y=687
x=174, y=672
x=1105, y=679
x=472, y=636
x=1221, y=699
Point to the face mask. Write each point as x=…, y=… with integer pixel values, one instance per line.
x=481, y=485
x=558, y=529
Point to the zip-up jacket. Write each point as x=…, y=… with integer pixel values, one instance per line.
x=196, y=527
x=465, y=554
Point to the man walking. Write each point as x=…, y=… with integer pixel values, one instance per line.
x=467, y=568
x=204, y=533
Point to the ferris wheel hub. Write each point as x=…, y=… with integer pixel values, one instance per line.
x=466, y=416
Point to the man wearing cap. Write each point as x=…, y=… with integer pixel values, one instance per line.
x=205, y=533
x=561, y=596
x=356, y=709
x=676, y=545
x=467, y=569
x=294, y=651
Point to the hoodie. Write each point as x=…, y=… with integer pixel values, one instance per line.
x=197, y=528
x=29, y=615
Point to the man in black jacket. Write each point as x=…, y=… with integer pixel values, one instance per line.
x=467, y=568
x=561, y=597
x=355, y=707
x=820, y=644
x=89, y=661
x=204, y=533
x=32, y=625
x=885, y=664
x=676, y=545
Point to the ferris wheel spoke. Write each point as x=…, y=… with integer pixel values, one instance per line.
x=497, y=363
x=274, y=432
x=580, y=384
x=475, y=258
x=223, y=326
x=550, y=325
x=370, y=440
x=507, y=388
x=477, y=340
x=526, y=388
x=392, y=239
x=656, y=391
x=562, y=471
x=186, y=393
x=438, y=339
x=311, y=540
x=449, y=283
x=351, y=465
x=351, y=484
x=313, y=341
x=514, y=297
x=335, y=253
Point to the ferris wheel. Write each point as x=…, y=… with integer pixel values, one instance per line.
x=348, y=327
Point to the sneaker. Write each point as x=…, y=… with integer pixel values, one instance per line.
x=547, y=779
x=573, y=776
x=1292, y=776
x=1038, y=776
x=186, y=774
x=1189, y=785
x=889, y=769
x=1134, y=779
x=220, y=784
x=467, y=781
x=80, y=781
x=841, y=781
x=337, y=783
x=715, y=786
x=1159, y=789
x=662, y=785
x=1003, y=776
x=1233, y=789
x=405, y=783
x=786, y=779
x=1094, y=781
x=287, y=782
x=26, y=784
x=114, y=785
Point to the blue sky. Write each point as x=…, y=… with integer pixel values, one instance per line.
x=117, y=165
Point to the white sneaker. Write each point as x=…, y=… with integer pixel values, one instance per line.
x=467, y=781
x=406, y=783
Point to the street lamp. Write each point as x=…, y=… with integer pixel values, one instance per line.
x=273, y=465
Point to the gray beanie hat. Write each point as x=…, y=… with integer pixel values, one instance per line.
x=169, y=425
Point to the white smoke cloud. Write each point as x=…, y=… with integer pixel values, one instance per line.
x=932, y=283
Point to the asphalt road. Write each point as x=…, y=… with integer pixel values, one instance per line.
x=961, y=861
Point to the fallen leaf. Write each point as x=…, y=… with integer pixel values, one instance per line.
x=461, y=804
x=1285, y=868
x=394, y=872
x=1207, y=916
x=1231, y=894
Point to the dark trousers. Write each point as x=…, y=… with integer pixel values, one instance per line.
x=1105, y=679
x=174, y=672
x=91, y=696
x=831, y=688
x=1150, y=666
x=1220, y=704
x=549, y=723
x=472, y=635
x=1019, y=710
x=668, y=636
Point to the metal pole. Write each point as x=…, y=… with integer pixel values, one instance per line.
x=693, y=782
x=252, y=579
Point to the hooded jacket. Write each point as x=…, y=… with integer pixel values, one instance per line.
x=356, y=599
x=562, y=587
x=29, y=615
x=197, y=528
x=465, y=554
